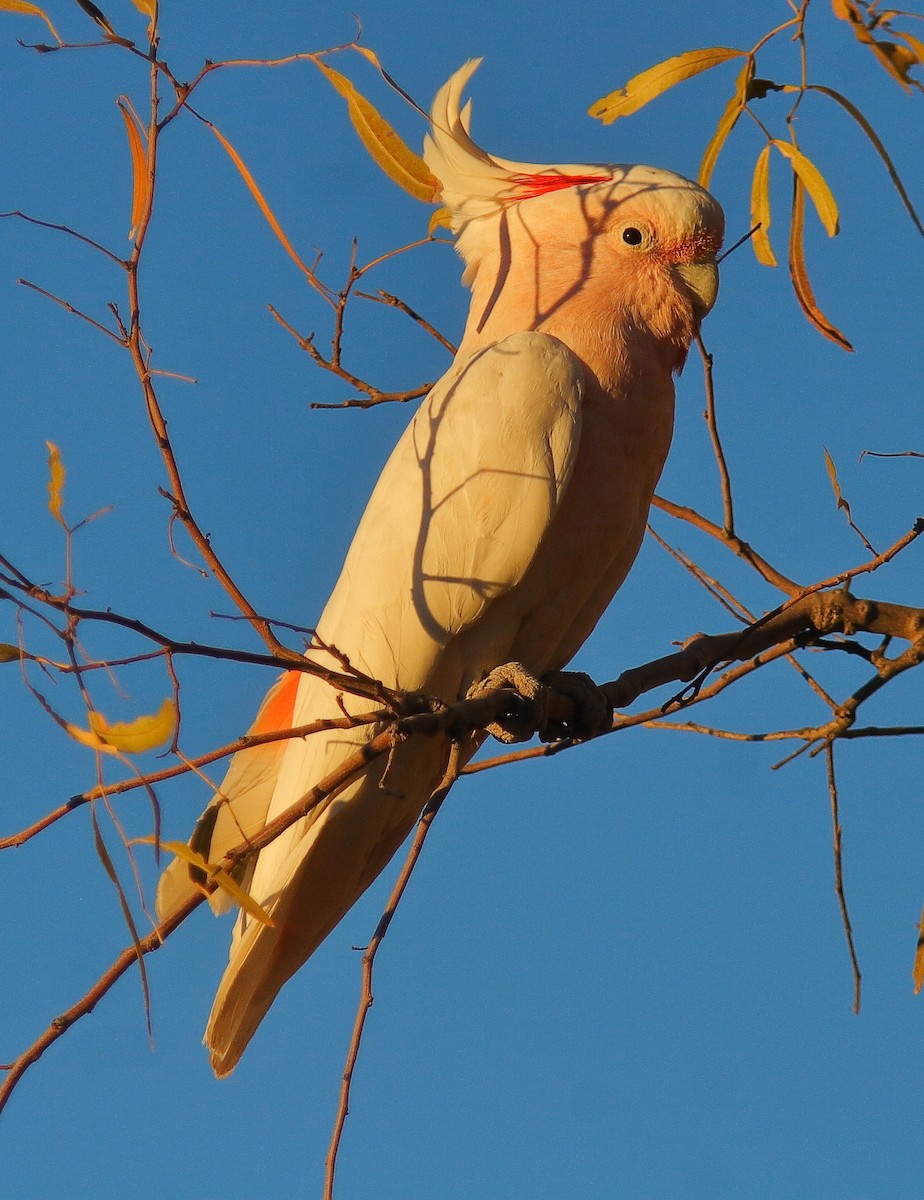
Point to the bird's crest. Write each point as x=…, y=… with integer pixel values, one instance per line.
x=477, y=184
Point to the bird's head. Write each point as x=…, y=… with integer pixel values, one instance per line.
x=631, y=237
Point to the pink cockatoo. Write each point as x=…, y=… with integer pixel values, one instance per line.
x=502, y=525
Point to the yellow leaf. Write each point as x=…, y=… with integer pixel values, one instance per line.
x=727, y=122
x=55, y=483
x=261, y=201
x=134, y=737
x=441, y=218
x=407, y=169
x=651, y=83
x=897, y=60
x=917, y=46
x=760, y=209
x=9, y=653
x=919, y=958
x=880, y=149
x=797, y=270
x=149, y=8
x=815, y=185
x=216, y=875
x=139, y=166
x=32, y=10
x=129, y=737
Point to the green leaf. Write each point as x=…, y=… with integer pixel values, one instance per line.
x=658, y=79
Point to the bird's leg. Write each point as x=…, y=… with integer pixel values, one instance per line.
x=562, y=704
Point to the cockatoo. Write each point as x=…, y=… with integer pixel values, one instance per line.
x=502, y=525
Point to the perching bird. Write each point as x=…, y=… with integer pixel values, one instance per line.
x=506, y=518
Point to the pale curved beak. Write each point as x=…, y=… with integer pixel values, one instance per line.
x=702, y=280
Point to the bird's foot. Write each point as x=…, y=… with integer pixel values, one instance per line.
x=563, y=704
x=590, y=711
x=529, y=700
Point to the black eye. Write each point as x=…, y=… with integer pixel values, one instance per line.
x=632, y=236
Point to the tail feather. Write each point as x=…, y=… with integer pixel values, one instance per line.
x=329, y=864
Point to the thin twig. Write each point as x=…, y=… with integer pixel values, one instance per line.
x=366, y=999
x=839, y=874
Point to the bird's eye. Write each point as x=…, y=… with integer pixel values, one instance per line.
x=632, y=236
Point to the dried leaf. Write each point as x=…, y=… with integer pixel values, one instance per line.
x=32, y=10
x=815, y=185
x=657, y=79
x=760, y=209
x=215, y=874
x=919, y=958
x=399, y=162
x=880, y=149
x=727, y=122
x=56, y=475
x=442, y=218
x=894, y=57
x=9, y=653
x=842, y=503
x=140, y=184
x=261, y=201
x=797, y=270
x=98, y=16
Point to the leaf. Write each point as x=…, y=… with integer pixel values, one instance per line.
x=919, y=958
x=9, y=653
x=760, y=209
x=98, y=16
x=842, y=503
x=727, y=122
x=815, y=185
x=127, y=737
x=442, y=218
x=880, y=149
x=134, y=737
x=895, y=58
x=797, y=270
x=56, y=474
x=216, y=875
x=140, y=184
x=149, y=8
x=657, y=79
x=832, y=475
x=407, y=169
x=261, y=201
x=32, y=10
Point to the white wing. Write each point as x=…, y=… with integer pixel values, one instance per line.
x=454, y=523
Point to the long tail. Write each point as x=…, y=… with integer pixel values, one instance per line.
x=325, y=873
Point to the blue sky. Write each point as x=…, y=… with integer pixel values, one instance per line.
x=620, y=972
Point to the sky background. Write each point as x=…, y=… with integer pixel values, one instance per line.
x=620, y=972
